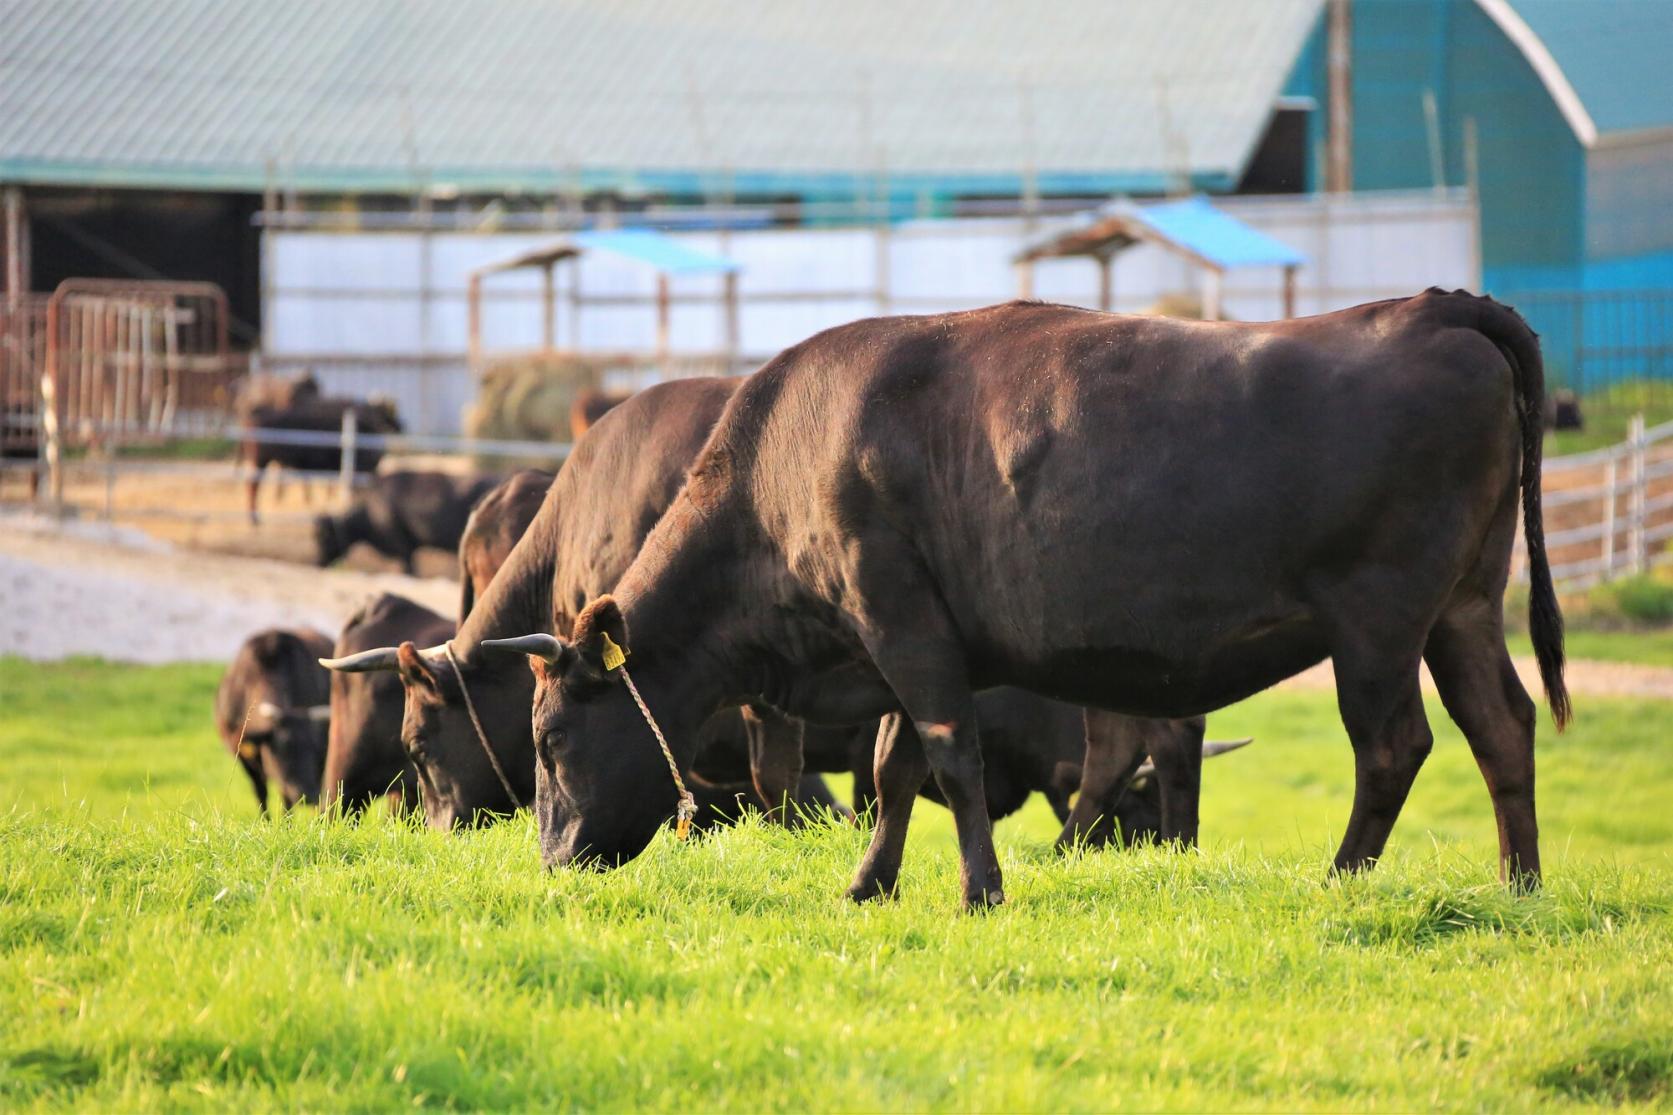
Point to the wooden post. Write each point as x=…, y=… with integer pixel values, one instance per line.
x=1610, y=494
x=734, y=336
x=1211, y=277
x=1289, y=291
x=575, y=303
x=1025, y=279
x=1339, y=173
x=17, y=248
x=1635, y=521
x=1106, y=282
x=473, y=336
x=548, y=306
x=663, y=318
x=345, y=473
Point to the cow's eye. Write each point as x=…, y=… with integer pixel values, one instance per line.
x=550, y=741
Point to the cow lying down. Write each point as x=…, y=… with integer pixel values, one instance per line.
x=1148, y=516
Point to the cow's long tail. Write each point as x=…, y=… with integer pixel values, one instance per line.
x=1520, y=345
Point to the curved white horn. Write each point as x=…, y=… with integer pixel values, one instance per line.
x=1211, y=748
x=539, y=645
x=319, y=714
x=378, y=658
x=267, y=710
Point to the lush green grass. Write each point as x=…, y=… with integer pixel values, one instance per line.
x=1608, y=413
x=160, y=947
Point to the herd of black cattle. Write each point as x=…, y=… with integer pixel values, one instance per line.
x=1017, y=549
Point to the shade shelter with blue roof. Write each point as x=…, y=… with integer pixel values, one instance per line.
x=668, y=257
x=1192, y=228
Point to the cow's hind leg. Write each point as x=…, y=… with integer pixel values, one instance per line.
x=1479, y=686
x=899, y=769
x=1382, y=708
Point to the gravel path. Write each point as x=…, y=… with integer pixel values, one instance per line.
x=92, y=589
x=116, y=592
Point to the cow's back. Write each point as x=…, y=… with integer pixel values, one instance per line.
x=1044, y=462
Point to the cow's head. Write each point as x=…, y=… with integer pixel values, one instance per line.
x=602, y=785
x=457, y=782
x=286, y=745
x=329, y=544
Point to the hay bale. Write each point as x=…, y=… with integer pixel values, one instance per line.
x=1186, y=306
x=528, y=398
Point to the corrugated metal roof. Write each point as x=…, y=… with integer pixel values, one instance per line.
x=539, y=94
x=1614, y=54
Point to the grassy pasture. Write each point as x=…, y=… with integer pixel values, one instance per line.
x=162, y=948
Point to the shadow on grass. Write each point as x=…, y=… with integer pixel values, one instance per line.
x=1638, y=1070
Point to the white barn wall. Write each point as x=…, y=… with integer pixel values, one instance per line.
x=351, y=304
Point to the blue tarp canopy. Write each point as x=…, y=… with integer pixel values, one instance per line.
x=662, y=254
x=1191, y=227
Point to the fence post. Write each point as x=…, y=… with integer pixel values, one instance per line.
x=1611, y=491
x=345, y=474
x=1635, y=520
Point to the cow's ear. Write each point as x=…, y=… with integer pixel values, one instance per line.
x=416, y=673
x=600, y=635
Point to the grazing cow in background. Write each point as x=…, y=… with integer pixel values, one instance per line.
x=1151, y=516
x=589, y=406
x=271, y=710
x=401, y=513
x=496, y=523
x=276, y=392
x=365, y=759
x=310, y=413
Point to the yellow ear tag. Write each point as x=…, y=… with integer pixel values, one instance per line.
x=614, y=655
x=247, y=751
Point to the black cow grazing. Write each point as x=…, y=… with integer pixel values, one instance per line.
x=401, y=513
x=310, y=413
x=272, y=709
x=627, y=473
x=620, y=474
x=365, y=759
x=497, y=522
x=1151, y=516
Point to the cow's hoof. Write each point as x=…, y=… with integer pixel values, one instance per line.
x=983, y=900
x=870, y=890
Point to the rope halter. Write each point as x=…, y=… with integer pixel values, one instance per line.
x=615, y=658
x=481, y=736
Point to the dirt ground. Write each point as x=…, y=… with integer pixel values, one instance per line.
x=91, y=588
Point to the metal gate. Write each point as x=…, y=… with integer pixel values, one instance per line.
x=123, y=360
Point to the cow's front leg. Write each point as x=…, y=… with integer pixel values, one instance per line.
x=1114, y=749
x=775, y=760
